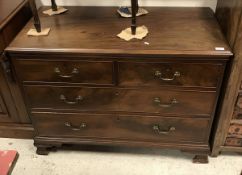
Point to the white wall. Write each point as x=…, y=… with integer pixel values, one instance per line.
x=180, y=3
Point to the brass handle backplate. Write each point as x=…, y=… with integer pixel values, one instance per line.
x=75, y=128
x=172, y=103
x=58, y=72
x=159, y=74
x=158, y=129
x=77, y=99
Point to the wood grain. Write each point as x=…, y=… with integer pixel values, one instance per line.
x=15, y=130
x=191, y=74
x=83, y=30
x=87, y=72
x=2, y=43
x=129, y=100
x=8, y=9
x=136, y=128
x=179, y=38
x=9, y=110
x=228, y=14
x=13, y=16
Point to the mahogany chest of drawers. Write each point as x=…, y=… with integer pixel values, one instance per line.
x=84, y=85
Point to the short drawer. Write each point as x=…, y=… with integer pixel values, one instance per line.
x=135, y=128
x=121, y=99
x=233, y=142
x=235, y=130
x=82, y=72
x=176, y=74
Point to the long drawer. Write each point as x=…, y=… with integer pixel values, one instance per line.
x=135, y=128
x=81, y=72
x=121, y=99
x=176, y=74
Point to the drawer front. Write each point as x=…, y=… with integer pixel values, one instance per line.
x=118, y=99
x=233, y=142
x=135, y=128
x=235, y=130
x=176, y=74
x=82, y=72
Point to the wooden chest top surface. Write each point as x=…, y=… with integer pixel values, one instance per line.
x=181, y=31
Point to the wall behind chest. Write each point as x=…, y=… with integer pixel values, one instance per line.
x=187, y=3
